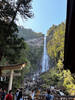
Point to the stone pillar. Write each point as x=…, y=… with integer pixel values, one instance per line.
x=11, y=80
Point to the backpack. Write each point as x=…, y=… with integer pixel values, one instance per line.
x=48, y=97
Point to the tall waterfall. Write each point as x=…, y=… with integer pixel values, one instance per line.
x=45, y=59
x=45, y=62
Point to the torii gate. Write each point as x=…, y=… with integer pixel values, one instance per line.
x=12, y=68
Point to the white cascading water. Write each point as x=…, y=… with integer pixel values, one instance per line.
x=45, y=59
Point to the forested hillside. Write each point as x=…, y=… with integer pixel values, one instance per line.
x=55, y=44
x=57, y=76
x=51, y=32
x=35, y=44
x=27, y=34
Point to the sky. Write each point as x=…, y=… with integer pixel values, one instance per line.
x=46, y=13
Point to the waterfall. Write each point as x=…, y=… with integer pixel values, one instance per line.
x=45, y=59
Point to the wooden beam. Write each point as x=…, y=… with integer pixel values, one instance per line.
x=7, y=75
x=13, y=67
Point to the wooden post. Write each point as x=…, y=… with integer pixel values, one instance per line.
x=11, y=80
x=0, y=72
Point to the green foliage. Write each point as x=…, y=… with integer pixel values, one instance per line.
x=52, y=78
x=57, y=76
x=60, y=65
x=3, y=61
x=34, y=56
x=60, y=79
x=69, y=82
x=51, y=32
x=27, y=34
x=8, y=13
x=56, y=44
x=13, y=50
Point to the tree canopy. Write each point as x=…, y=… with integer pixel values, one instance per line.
x=8, y=13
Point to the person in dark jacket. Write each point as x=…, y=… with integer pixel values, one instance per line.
x=48, y=95
x=17, y=93
x=20, y=96
x=3, y=94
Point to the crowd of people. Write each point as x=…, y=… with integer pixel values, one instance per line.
x=9, y=96
x=18, y=95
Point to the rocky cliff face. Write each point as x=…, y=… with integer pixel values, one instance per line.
x=38, y=42
x=31, y=38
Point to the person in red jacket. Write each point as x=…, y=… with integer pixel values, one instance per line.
x=9, y=96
